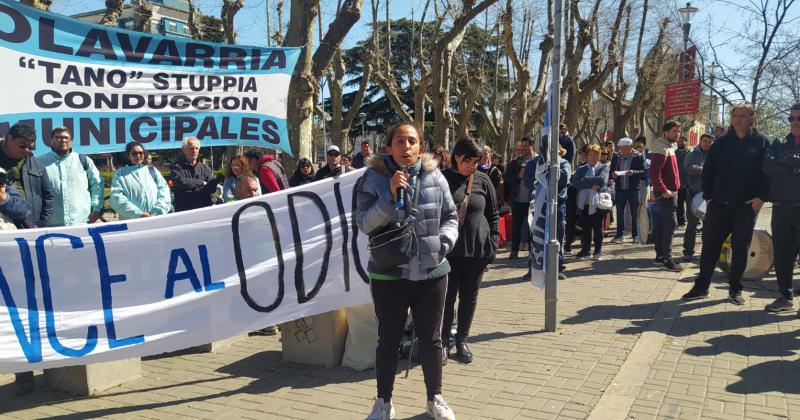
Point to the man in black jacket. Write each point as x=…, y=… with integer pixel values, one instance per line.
x=782, y=168
x=734, y=188
x=193, y=181
x=626, y=186
x=27, y=174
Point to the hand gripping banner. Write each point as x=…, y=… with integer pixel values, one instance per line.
x=102, y=292
x=111, y=86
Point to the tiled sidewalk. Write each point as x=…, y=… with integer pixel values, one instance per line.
x=713, y=360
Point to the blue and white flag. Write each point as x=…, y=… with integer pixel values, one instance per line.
x=111, y=86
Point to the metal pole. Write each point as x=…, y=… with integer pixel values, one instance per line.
x=551, y=275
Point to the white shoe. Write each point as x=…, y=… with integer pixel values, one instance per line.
x=381, y=410
x=439, y=410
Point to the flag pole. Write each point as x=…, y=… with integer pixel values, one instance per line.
x=551, y=275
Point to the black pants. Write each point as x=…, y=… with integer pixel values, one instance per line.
x=786, y=242
x=690, y=235
x=680, y=211
x=392, y=299
x=463, y=281
x=571, y=217
x=592, y=229
x=664, y=226
x=722, y=220
x=519, y=221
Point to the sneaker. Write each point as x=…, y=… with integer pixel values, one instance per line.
x=781, y=304
x=617, y=240
x=597, y=256
x=658, y=261
x=445, y=353
x=439, y=410
x=568, y=251
x=687, y=258
x=672, y=266
x=381, y=410
x=736, y=298
x=561, y=275
x=636, y=239
x=582, y=255
x=695, y=294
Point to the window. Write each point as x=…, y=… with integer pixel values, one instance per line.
x=172, y=27
x=186, y=31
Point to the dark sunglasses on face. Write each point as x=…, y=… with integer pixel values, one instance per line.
x=26, y=146
x=137, y=153
x=792, y=118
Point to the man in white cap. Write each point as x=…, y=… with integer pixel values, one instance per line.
x=334, y=167
x=627, y=169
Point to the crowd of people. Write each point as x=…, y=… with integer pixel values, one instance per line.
x=434, y=219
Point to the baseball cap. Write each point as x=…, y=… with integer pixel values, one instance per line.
x=625, y=141
x=333, y=148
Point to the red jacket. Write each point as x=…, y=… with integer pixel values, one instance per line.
x=664, y=167
x=266, y=177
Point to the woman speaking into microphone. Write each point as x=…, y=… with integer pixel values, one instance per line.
x=404, y=205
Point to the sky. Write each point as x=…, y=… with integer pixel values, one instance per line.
x=719, y=19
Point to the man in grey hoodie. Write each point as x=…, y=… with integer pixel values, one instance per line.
x=694, y=176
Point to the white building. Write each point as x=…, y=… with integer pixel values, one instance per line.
x=170, y=17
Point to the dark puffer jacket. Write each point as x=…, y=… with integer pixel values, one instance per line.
x=436, y=227
x=782, y=168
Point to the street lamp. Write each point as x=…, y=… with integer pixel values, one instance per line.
x=722, y=111
x=362, y=116
x=712, y=69
x=687, y=13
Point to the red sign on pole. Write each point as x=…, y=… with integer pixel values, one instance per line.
x=682, y=98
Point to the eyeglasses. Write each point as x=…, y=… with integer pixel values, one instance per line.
x=793, y=118
x=26, y=146
x=137, y=153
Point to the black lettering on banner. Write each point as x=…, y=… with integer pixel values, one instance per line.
x=136, y=129
x=88, y=129
x=270, y=134
x=199, y=51
x=132, y=54
x=337, y=191
x=93, y=37
x=237, y=253
x=161, y=81
x=354, y=227
x=39, y=98
x=231, y=55
x=22, y=29
x=166, y=52
x=248, y=126
x=299, y=282
x=47, y=37
x=184, y=125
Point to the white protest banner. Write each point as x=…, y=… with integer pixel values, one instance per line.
x=101, y=292
x=111, y=86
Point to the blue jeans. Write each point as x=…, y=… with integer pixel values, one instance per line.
x=631, y=198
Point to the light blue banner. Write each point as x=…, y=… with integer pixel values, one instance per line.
x=111, y=85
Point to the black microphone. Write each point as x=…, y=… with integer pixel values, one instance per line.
x=401, y=192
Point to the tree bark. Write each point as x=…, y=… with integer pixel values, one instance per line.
x=112, y=13
x=310, y=66
x=39, y=4
x=229, y=10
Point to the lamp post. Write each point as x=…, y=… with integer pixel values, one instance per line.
x=722, y=111
x=362, y=116
x=687, y=13
x=711, y=70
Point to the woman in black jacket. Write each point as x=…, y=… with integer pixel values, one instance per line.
x=304, y=173
x=478, y=234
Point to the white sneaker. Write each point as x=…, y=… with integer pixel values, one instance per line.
x=439, y=410
x=381, y=410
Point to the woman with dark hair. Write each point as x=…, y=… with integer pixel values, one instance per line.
x=139, y=190
x=441, y=154
x=236, y=167
x=487, y=166
x=478, y=236
x=591, y=179
x=400, y=190
x=303, y=174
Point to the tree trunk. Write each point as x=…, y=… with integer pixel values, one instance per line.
x=144, y=15
x=310, y=67
x=112, y=13
x=229, y=10
x=39, y=4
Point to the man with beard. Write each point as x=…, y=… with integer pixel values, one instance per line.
x=734, y=188
x=681, y=154
x=665, y=180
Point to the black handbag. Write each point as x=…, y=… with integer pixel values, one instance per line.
x=394, y=245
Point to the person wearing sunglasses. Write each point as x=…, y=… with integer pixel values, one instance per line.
x=139, y=190
x=334, y=166
x=26, y=173
x=782, y=168
x=304, y=173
